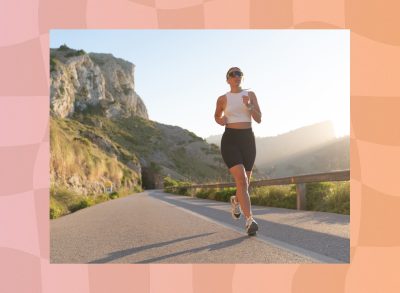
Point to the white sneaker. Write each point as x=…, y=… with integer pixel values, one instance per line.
x=235, y=210
x=251, y=226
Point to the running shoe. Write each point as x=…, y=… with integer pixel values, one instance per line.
x=235, y=211
x=251, y=226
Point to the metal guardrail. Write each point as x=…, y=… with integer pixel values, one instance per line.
x=299, y=180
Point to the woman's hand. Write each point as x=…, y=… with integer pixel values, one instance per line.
x=254, y=107
x=221, y=120
x=246, y=100
x=247, y=103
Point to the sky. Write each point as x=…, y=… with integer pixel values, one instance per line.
x=300, y=77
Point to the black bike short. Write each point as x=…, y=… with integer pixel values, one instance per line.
x=238, y=146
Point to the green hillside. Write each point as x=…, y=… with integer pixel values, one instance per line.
x=89, y=149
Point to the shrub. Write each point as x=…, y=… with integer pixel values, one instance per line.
x=63, y=47
x=274, y=196
x=75, y=53
x=181, y=190
x=135, y=189
x=224, y=194
x=175, y=186
x=63, y=196
x=101, y=198
x=113, y=195
x=56, y=208
x=82, y=203
x=203, y=193
x=316, y=193
x=93, y=109
x=168, y=182
x=336, y=200
x=53, y=64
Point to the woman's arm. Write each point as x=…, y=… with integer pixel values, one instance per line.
x=255, y=112
x=221, y=120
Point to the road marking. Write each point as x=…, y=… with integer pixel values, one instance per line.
x=316, y=257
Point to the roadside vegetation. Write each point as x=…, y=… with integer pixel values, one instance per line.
x=333, y=197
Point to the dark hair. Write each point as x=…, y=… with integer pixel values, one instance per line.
x=227, y=76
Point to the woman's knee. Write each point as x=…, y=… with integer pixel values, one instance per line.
x=241, y=180
x=239, y=174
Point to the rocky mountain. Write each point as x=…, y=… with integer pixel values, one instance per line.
x=310, y=149
x=101, y=133
x=79, y=79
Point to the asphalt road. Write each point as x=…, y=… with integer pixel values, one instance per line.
x=157, y=227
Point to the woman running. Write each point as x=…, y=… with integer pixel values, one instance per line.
x=238, y=146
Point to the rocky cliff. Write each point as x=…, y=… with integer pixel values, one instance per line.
x=79, y=79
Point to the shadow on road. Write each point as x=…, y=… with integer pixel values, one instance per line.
x=211, y=247
x=118, y=254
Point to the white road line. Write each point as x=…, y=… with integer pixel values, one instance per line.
x=319, y=258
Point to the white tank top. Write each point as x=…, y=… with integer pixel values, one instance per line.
x=235, y=110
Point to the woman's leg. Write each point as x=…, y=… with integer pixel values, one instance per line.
x=248, y=173
x=242, y=194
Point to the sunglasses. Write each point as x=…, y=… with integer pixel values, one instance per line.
x=235, y=73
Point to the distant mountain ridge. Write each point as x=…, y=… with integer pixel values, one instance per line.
x=334, y=155
x=310, y=149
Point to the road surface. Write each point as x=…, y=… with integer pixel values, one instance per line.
x=157, y=227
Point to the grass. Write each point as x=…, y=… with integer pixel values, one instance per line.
x=329, y=197
x=333, y=197
x=73, y=155
x=64, y=201
x=283, y=196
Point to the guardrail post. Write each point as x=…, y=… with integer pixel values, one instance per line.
x=301, y=196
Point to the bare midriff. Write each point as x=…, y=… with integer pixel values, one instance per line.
x=239, y=125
